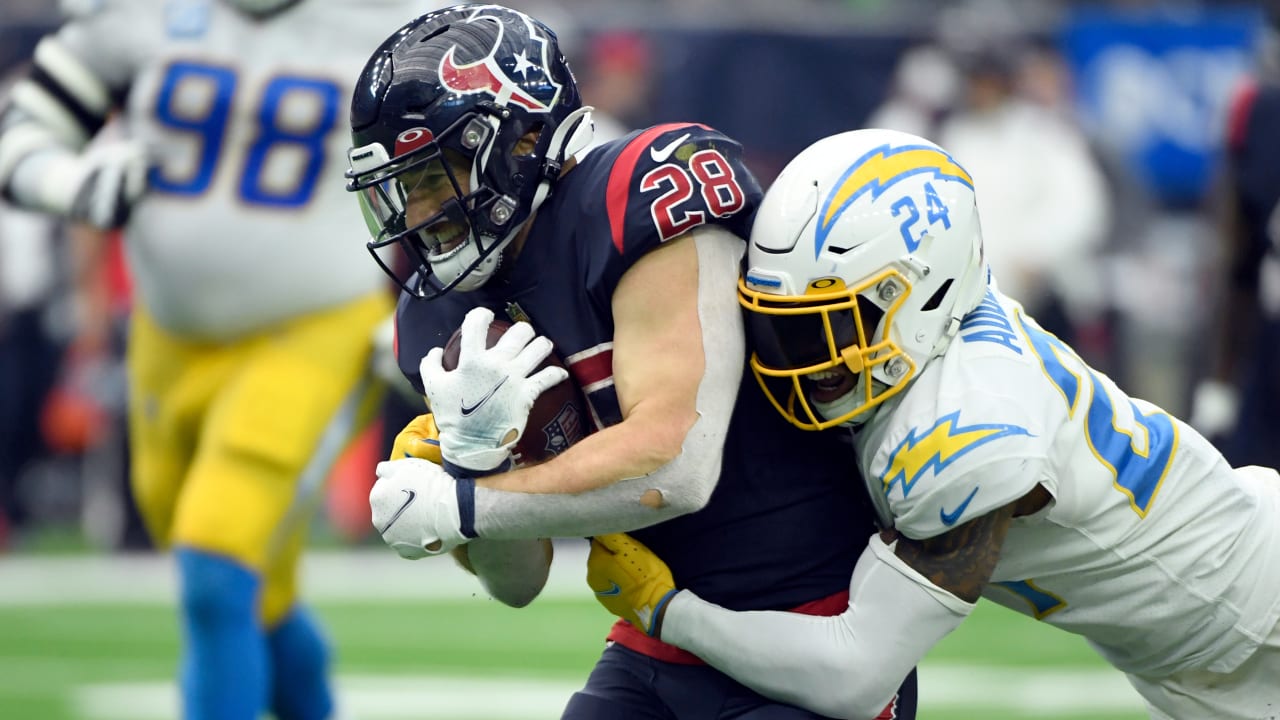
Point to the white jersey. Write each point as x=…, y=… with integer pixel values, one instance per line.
x=247, y=220
x=1153, y=548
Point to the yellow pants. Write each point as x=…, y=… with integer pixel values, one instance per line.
x=232, y=441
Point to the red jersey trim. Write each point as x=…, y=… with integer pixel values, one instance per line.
x=619, y=187
x=591, y=366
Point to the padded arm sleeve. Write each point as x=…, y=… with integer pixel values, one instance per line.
x=55, y=109
x=687, y=481
x=845, y=666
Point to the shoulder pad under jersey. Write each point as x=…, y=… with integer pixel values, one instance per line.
x=942, y=458
x=668, y=179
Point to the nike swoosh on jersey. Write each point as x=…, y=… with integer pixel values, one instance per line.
x=405, y=506
x=950, y=518
x=468, y=410
x=661, y=154
x=614, y=590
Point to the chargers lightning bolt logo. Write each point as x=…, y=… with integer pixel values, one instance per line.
x=876, y=171
x=937, y=447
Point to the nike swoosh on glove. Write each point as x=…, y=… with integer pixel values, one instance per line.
x=415, y=508
x=630, y=581
x=481, y=406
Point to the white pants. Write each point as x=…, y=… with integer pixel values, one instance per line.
x=1250, y=692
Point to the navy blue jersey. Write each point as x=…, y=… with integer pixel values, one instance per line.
x=785, y=524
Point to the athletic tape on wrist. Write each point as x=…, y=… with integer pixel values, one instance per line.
x=466, y=489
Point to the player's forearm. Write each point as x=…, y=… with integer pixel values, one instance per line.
x=614, y=481
x=640, y=445
x=42, y=179
x=677, y=487
x=845, y=666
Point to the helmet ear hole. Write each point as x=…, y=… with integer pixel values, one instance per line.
x=937, y=297
x=528, y=143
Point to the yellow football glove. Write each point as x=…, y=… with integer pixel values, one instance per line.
x=630, y=581
x=419, y=439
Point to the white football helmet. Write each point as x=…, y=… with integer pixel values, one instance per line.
x=865, y=255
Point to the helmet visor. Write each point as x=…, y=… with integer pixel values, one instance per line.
x=382, y=206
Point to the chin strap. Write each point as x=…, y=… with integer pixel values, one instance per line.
x=571, y=136
x=583, y=131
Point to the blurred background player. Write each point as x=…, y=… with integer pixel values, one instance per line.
x=465, y=127
x=1044, y=222
x=250, y=338
x=925, y=84
x=1238, y=404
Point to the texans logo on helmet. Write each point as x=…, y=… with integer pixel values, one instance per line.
x=487, y=75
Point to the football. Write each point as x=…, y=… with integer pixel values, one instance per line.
x=559, y=416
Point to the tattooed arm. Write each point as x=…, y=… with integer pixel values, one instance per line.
x=960, y=561
x=905, y=596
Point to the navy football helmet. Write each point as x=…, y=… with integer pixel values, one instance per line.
x=466, y=83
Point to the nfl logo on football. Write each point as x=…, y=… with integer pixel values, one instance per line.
x=564, y=429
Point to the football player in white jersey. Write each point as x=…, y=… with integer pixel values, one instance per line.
x=1000, y=464
x=250, y=341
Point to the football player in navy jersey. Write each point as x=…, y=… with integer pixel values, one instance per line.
x=465, y=126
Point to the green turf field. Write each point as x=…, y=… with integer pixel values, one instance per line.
x=71, y=646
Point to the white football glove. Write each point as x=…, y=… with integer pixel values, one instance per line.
x=415, y=508
x=482, y=406
x=110, y=179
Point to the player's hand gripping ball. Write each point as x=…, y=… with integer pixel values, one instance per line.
x=414, y=505
x=557, y=418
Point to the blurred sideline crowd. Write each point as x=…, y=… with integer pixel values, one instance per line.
x=1096, y=141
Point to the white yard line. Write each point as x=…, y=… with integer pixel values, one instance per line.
x=1029, y=693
